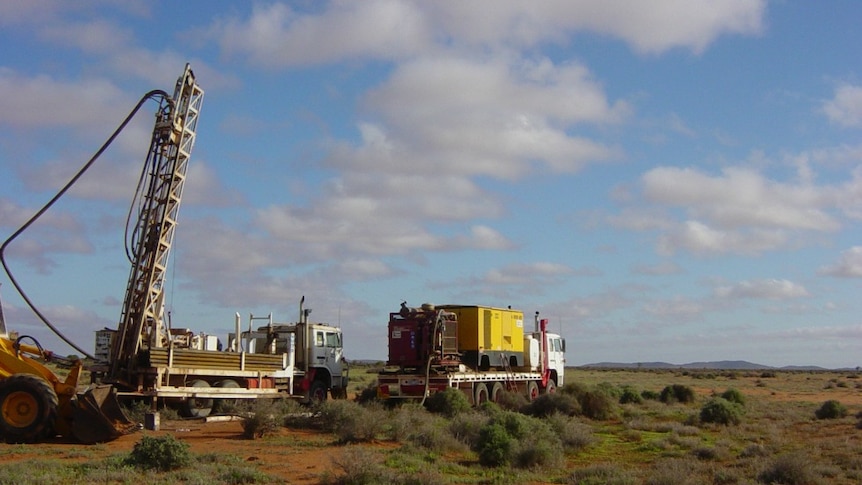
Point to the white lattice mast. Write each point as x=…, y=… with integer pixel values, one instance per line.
x=142, y=323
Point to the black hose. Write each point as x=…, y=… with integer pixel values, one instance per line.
x=157, y=93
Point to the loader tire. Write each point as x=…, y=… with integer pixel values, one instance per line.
x=28, y=408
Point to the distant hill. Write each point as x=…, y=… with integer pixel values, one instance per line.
x=716, y=365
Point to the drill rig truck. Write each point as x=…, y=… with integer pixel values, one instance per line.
x=480, y=350
x=151, y=359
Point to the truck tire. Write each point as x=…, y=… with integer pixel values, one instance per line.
x=532, y=390
x=317, y=392
x=28, y=408
x=197, y=407
x=496, y=390
x=480, y=394
x=226, y=405
x=551, y=388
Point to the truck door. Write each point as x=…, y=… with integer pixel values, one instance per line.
x=328, y=350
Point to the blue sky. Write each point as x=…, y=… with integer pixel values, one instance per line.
x=668, y=180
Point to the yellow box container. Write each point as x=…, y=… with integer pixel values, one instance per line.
x=489, y=329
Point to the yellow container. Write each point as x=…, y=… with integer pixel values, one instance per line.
x=489, y=329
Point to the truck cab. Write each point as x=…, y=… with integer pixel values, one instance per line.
x=318, y=350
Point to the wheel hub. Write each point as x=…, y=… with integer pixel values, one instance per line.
x=20, y=409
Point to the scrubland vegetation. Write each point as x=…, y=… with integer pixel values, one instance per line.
x=603, y=427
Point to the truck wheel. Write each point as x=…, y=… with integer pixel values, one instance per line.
x=532, y=390
x=226, y=405
x=551, y=388
x=197, y=407
x=480, y=394
x=317, y=392
x=496, y=390
x=28, y=408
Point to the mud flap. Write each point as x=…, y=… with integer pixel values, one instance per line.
x=98, y=416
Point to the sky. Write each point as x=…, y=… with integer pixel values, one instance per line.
x=673, y=180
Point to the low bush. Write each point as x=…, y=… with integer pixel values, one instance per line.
x=790, y=469
x=265, y=419
x=557, y=403
x=494, y=445
x=449, y=402
x=603, y=474
x=631, y=396
x=831, y=409
x=519, y=440
x=721, y=411
x=677, y=393
x=350, y=421
x=466, y=427
x=162, y=453
x=358, y=466
x=733, y=395
x=597, y=405
x=511, y=400
x=573, y=434
x=650, y=395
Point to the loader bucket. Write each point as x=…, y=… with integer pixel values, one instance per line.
x=98, y=416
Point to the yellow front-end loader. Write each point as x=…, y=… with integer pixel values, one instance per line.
x=36, y=405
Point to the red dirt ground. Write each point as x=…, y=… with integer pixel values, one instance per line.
x=295, y=456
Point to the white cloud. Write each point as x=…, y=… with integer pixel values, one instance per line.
x=43, y=101
x=662, y=268
x=849, y=265
x=770, y=289
x=699, y=238
x=677, y=307
x=845, y=108
x=740, y=197
x=277, y=35
x=446, y=115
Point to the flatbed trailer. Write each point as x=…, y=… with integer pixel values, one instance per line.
x=478, y=386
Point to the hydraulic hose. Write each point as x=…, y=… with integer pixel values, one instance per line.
x=155, y=94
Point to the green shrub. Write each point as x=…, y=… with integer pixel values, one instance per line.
x=359, y=467
x=466, y=427
x=548, y=404
x=350, y=421
x=265, y=419
x=603, y=474
x=721, y=411
x=677, y=393
x=630, y=396
x=159, y=453
x=573, y=434
x=650, y=395
x=512, y=401
x=449, y=402
x=542, y=451
x=494, y=445
x=611, y=390
x=791, y=469
x=597, y=405
x=733, y=395
x=523, y=441
x=831, y=409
